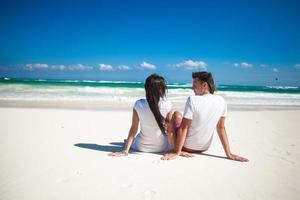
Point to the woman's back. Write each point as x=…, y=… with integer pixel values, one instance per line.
x=151, y=138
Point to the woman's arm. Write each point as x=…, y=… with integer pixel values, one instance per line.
x=132, y=132
x=223, y=137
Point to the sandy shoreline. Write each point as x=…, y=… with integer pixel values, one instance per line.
x=61, y=154
x=122, y=106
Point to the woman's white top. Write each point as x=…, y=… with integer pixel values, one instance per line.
x=150, y=138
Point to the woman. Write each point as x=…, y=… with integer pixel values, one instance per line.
x=154, y=114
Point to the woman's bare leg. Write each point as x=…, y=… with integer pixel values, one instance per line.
x=173, y=122
x=170, y=129
x=177, y=119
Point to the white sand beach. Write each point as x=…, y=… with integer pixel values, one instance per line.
x=71, y=73
x=62, y=154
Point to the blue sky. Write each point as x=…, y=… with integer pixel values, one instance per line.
x=241, y=42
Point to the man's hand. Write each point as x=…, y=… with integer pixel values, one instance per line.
x=237, y=158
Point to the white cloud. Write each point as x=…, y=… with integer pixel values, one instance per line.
x=36, y=66
x=190, y=64
x=236, y=64
x=275, y=70
x=105, y=67
x=79, y=67
x=246, y=65
x=243, y=65
x=123, y=67
x=146, y=65
x=297, y=66
x=59, y=67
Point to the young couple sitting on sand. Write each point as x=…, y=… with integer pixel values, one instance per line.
x=163, y=130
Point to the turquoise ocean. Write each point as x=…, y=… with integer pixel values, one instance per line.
x=124, y=92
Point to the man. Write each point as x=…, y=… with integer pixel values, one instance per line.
x=203, y=113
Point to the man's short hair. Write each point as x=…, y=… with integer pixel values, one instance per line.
x=206, y=77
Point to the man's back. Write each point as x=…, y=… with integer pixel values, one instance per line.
x=205, y=112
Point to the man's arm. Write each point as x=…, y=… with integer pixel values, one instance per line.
x=224, y=139
x=181, y=136
x=182, y=131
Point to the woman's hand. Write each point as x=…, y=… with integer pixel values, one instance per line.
x=118, y=154
x=186, y=154
x=237, y=158
x=171, y=156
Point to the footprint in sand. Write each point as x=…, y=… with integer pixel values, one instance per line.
x=149, y=194
x=127, y=185
x=62, y=180
x=156, y=162
x=78, y=173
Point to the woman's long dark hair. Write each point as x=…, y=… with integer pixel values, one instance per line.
x=155, y=87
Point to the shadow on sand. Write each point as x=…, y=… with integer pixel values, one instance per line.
x=211, y=155
x=113, y=147
x=119, y=146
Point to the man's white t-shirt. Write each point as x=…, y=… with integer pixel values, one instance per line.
x=150, y=138
x=205, y=112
